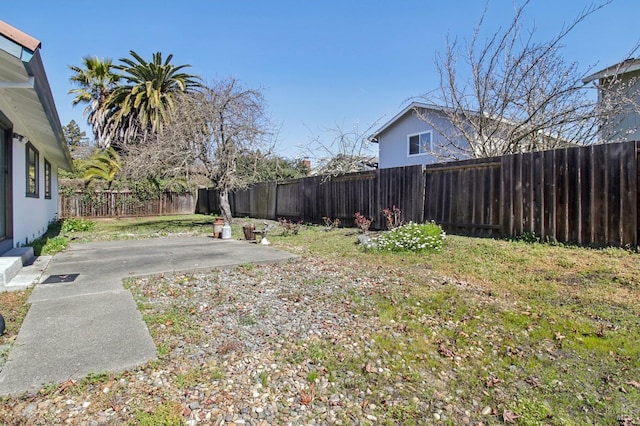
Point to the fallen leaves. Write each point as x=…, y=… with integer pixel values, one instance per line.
x=509, y=417
x=493, y=381
x=306, y=398
x=445, y=351
x=370, y=368
x=634, y=383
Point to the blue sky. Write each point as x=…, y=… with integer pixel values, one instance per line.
x=320, y=64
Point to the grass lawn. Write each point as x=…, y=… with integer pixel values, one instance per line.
x=548, y=334
x=520, y=333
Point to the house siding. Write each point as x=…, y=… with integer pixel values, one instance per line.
x=393, y=145
x=31, y=216
x=626, y=126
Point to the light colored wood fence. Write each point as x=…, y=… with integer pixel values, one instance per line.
x=122, y=204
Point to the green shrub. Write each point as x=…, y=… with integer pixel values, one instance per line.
x=417, y=237
x=77, y=225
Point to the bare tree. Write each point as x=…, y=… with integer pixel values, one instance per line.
x=214, y=126
x=344, y=151
x=165, y=157
x=520, y=95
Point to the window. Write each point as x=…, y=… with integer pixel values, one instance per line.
x=47, y=179
x=32, y=171
x=420, y=143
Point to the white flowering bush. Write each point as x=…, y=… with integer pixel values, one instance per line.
x=417, y=237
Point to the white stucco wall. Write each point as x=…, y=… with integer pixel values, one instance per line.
x=31, y=216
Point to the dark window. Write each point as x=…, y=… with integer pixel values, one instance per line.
x=47, y=179
x=32, y=171
x=420, y=143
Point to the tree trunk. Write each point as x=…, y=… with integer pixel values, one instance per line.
x=225, y=207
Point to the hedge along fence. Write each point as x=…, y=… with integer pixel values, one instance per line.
x=122, y=204
x=582, y=195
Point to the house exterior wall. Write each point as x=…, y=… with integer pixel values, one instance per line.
x=625, y=126
x=31, y=216
x=393, y=144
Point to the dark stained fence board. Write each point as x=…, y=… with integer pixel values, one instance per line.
x=288, y=200
x=637, y=192
x=599, y=211
x=613, y=195
x=402, y=187
x=263, y=199
x=573, y=195
x=526, y=191
x=537, y=193
x=561, y=196
x=506, y=195
x=242, y=202
x=353, y=193
x=629, y=193
x=586, y=196
x=464, y=196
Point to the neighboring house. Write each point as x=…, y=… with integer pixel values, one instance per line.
x=424, y=134
x=32, y=145
x=408, y=139
x=619, y=92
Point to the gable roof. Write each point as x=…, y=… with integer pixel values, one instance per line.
x=409, y=108
x=626, y=66
x=25, y=95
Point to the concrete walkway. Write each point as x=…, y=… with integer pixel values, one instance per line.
x=90, y=323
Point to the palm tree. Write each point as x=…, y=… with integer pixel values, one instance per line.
x=145, y=102
x=95, y=80
x=103, y=165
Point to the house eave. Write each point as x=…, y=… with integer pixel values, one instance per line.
x=409, y=108
x=26, y=98
x=620, y=68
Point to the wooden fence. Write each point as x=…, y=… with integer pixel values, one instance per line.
x=122, y=204
x=582, y=195
x=311, y=199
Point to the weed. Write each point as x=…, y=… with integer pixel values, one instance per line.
x=49, y=389
x=264, y=312
x=216, y=374
x=97, y=378
x=528, y=237
x=189, y=379
x=315, y=353
x=167, y=413
x=247, y=320
x=77, y=225
x=315, y=281
x=312, y=376
x=51, y=242
x=248, y=266
x=264, y=379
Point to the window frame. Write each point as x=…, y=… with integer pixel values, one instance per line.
x=35, y=182
x=421, y=150
x=47, y=179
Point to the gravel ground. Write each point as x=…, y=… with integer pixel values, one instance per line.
x=282, y=344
